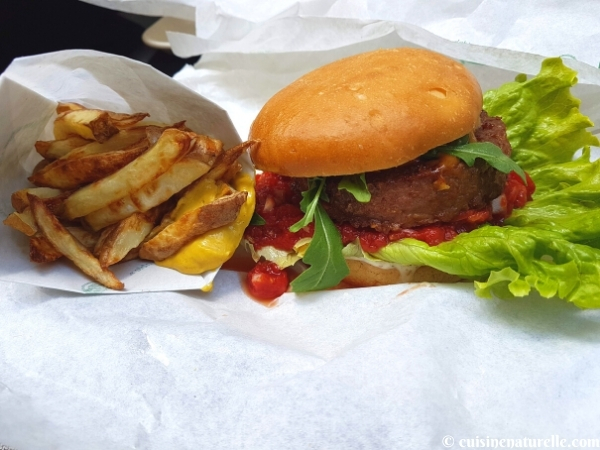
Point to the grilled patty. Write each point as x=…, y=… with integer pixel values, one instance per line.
x=423, y=191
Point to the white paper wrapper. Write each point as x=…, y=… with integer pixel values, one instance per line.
x=182, y=9
x=29, y=91
x=396, y=367
x=537, y=27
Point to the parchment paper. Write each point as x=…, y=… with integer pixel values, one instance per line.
x=396, y=367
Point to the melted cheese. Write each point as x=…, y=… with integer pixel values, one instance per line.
x=211, y=250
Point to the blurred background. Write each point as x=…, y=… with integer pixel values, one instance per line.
x=29, y=27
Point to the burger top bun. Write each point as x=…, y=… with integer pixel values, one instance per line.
x=367, y=112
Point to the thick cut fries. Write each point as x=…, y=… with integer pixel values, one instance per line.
x=71, y=173
x=93, y=124
x=40, y=165
x=171, y=146
x=19, y=199
x=65, y=243
x=68, y=148
x=53, y=198
x=227, y=159
x=122, y=140
x=87, y=123
x=87, y=238
x=41, y=250
x=119, y=239
x=178, y=176
x=67, y=106
x=59, y=147
x=191, y=225
x=22, y=221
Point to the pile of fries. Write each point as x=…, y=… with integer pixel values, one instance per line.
x=108, y=185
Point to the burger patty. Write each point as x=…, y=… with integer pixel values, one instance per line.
x=493, y=130
x=423, y=191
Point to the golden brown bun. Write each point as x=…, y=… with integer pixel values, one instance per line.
x=367, y=112
x=363, y=274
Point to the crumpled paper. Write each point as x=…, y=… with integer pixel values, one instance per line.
x=536, y=27
x=29, y=91
x=181, y=9
x=397, y=367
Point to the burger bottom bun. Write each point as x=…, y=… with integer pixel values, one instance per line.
x=363, y=274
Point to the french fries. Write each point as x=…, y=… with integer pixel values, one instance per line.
x=170, y=147
x=67, y=245
x=93, y=124
x=178, y=176
x=68, y=106
x=71, y=173
x=22, y=221
x=107, y=187
x=59, y=147
x=41, y=250
x=19, y=199
x=119, y=239
x=191, y=225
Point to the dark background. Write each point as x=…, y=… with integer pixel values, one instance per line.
x=29, y=27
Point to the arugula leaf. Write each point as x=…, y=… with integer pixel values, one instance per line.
x=324, y=255
x=487, y=151
x=460, y=141
x=257, y=219
x=357, y=186
x=310, y=200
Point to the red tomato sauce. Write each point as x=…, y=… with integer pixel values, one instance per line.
x=267, y=281
x=278, y=202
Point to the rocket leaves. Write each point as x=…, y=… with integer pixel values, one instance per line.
x=324, y=254
x=309, y=202
x=357, y=186
x=487, y=151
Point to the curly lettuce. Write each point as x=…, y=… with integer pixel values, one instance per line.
x=543, y=121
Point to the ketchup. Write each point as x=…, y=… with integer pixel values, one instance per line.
x=267, y=281
x=278, y=202
x=517, y=193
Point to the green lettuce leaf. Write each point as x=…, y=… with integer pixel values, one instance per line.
x=543, y=121
x=567, y=201
x=555, y=177
x=511, y=261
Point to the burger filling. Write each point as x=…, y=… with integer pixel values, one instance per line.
x=424, y=191
x=432, y=199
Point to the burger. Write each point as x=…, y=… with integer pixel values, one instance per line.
x=369, y=150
